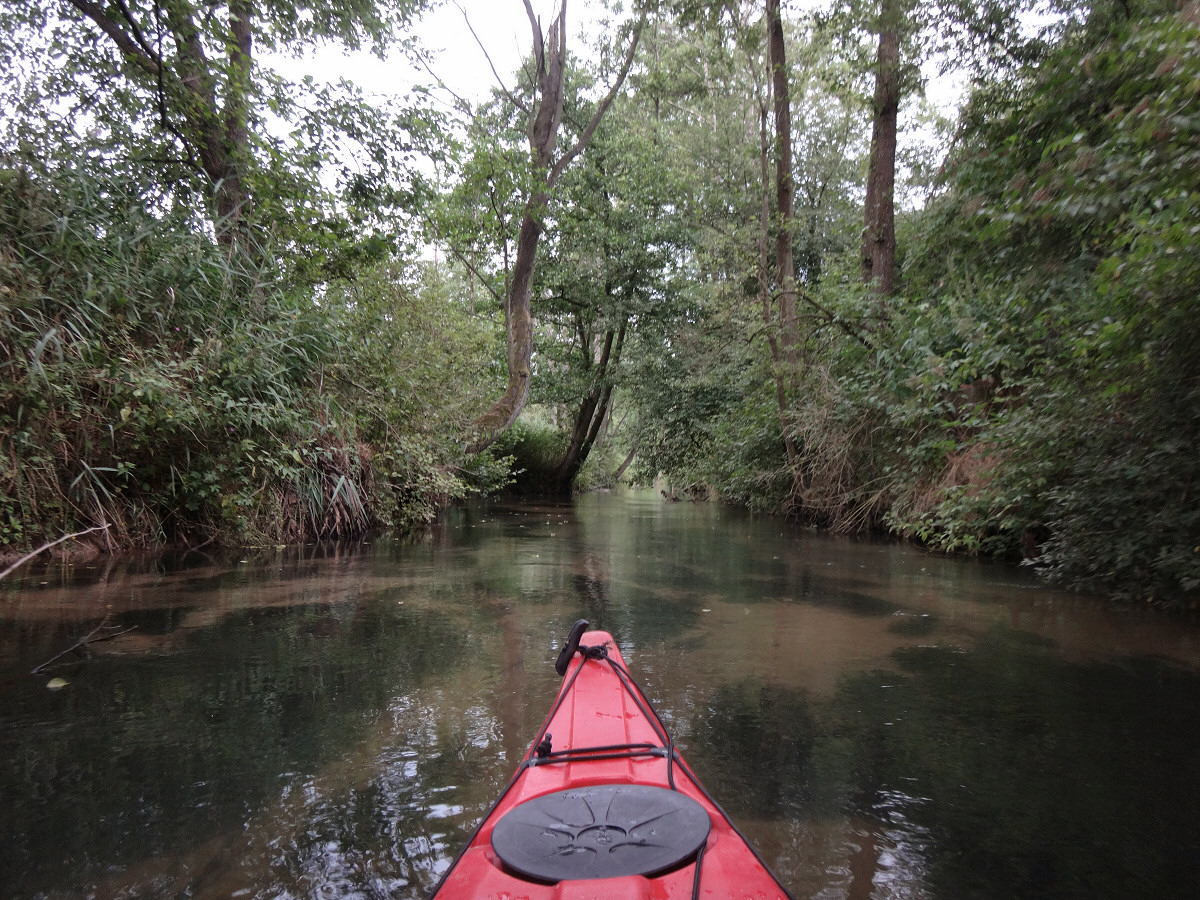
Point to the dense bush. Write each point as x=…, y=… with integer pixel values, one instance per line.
x=535, y=446
x=1033, y=388
x=1074, y=198
x=149, y=384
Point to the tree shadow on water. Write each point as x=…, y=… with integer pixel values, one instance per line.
x=144, y=759
x=754, y=744
x=1029, y=775
x=1002, y=770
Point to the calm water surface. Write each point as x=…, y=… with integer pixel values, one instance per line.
x=333, y=722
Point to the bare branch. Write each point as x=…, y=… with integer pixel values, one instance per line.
x=463, y=105
x=462, y=258
x=582, y=142
x=509, y=95
x=833, y=318
x=66, y=537
x=137, y=33
x=89, y=638
x=501, y=218
x=539, y=49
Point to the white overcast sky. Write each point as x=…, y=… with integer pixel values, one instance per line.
x=501, y=26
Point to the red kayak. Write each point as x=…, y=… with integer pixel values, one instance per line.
x=603, y=807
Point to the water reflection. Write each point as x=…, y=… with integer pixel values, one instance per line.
x=147, y=758
x=333, y=722
x=770, y=732
x=1048, y=778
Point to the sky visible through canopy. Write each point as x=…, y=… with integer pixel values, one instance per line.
x=458, y=60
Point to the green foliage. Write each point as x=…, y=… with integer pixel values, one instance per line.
x=535, y=447
x=707, y=415
x=1032, y=389
x=176, y=100
x=602, y=465
x=412, y=374
x=1075, y=199
x=607, y=269
x=144, y=386
x=705, y=387
x=174, y=386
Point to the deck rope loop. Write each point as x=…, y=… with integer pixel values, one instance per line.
x=599, y=651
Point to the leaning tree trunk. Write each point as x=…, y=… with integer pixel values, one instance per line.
x=551, y=58
x=593, y=410
x=550, y=54
x=519, y=327
x=879, y=232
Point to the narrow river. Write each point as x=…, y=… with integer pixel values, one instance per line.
x=331, y=723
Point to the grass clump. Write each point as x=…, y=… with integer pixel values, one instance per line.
x=155, y=382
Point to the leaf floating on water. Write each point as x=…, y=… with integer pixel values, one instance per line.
x=57, y=684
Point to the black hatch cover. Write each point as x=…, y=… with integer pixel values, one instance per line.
x=600, y=831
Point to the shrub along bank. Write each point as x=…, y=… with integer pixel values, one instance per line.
x=149, y=384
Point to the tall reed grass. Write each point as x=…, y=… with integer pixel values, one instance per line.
x=150, y=383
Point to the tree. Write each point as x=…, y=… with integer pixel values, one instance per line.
x=609, y=276
x=544, y=108
x=187, y=77
x=879, y=215
x=1057, y=264
x=983, y=38
x=785, y=190
x=709, y=84
x=166, y=370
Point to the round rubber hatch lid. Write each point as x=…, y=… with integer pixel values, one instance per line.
x=600, y=831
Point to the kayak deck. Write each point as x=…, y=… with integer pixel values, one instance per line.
x=601, y=734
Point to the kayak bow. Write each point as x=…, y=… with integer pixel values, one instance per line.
x=603, y=806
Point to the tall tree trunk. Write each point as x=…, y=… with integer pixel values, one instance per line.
x=550, y=54
x=879, y=232
x=764, y=286
x=232, y=198
x=785, y=342
x=209, y=116
x=217, y=120
x=785, y=190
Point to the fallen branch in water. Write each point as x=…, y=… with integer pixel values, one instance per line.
x=66, y=537
x=81, y=644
